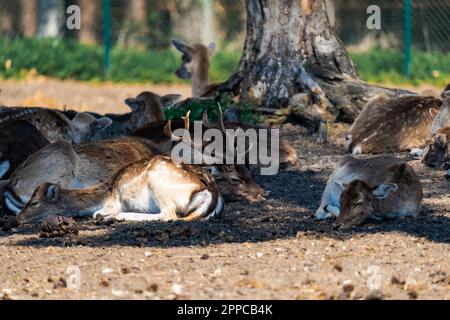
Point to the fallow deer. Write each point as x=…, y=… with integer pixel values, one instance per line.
x=148, y=190
x=156, y=132
x=195, y=65
x=436, y=154
x=235, y=181
x=392, y=124
x=374, y=187
x=146, y=108
x=442, y=119
x=19, y=139
x=73, y=166
x=54, y=125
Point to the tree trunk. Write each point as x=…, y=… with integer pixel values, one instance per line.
x=290, y=48
x=90, y=20
x=138, y=11
x=6, y=18
x=51, y=15
x=28, y=17
x=207, y=19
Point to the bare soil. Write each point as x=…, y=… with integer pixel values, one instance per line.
x=271, y=250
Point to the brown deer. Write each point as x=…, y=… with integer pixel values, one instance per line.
x=234, y=181
x=146, y=108
x=19, y=139
x=54, y=125
x=148, y=190
x=73, y=166
x=392, y=124
x=157, y=133
x=436, y=154
x=195, y=65
x=442, y=119
x=376, y=187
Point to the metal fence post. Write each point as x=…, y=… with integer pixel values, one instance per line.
x=107, y=38
x=407, y=36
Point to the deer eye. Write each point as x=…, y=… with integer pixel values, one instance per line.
x=235, y=180
x=34, y=203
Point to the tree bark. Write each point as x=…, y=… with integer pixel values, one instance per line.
x=28, y=19
x=51, y=16
x=291, y=48
x=7, y=18
x=138, y=11
x=90, y=20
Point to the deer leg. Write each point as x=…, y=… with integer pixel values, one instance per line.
x=327, y=212
x=140, y=217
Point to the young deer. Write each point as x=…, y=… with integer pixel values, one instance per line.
x=73, y=166
x=146, y=108
x=375, y=187
x=195, y=65
x=19, y=139
x=147, y=190
x=392, y=124
x=54, y=125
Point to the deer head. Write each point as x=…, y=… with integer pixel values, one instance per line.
x=357, y=202
x=236, y=183
x=85, y=125
x=195, y=58
x=437, y=151
x=44, y=202
x=148, y=107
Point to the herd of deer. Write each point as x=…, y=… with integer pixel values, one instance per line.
x=119, y=166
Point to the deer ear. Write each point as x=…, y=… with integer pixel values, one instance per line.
x=180, y=46
x=52, y=193
x=102, y=123
x=212, y=48
x=384, y=190
x=169, y=100
x=134, y=104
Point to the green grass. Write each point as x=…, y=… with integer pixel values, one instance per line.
x=69, y=60
x=383, y=66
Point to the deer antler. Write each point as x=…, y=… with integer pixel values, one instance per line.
x=205, y=121
x=187, y=121
x=221, y=123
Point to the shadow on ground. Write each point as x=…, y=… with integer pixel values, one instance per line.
x=288, y=213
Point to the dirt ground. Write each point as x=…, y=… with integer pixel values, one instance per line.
x=271, y=250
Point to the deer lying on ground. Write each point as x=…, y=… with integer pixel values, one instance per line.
x=436, y=154
x=375, y=187
x=195, y=65
x=234, y=181
x=73, y=166
x=442, y=119
x=147, y=190
x=392, y=124
x=146, y=108
x=54, y=125
x=158, y=134
x=19, y=139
